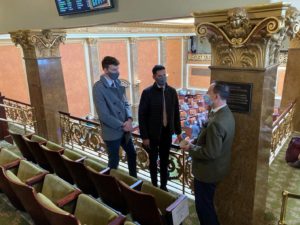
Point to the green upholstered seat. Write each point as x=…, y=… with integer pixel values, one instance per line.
x=53, y=146
x=163, y=199
x=69, y=154
x=37, y=138
x=120, y=175
x=95, y=165
x=98, y=213
x=56, y=189
x=7, y=156
x=49, y=204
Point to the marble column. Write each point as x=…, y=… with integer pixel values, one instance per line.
x=245, y=49
x=94, y=65
x=3, y=124
x=134, y=77
x=162, y=51
x=45, y=78
x=185, y=42
x=291, y=90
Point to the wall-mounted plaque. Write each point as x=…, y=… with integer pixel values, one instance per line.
x=240, y=96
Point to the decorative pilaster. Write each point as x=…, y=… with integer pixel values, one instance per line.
x=163, y=50
x=185, y=42
x=45, y=77
x=134, y=77
x=245, y=49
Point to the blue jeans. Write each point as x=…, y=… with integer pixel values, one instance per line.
x=113, y=154
x=204, y=200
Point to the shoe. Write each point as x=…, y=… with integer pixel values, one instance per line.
x=164, y=188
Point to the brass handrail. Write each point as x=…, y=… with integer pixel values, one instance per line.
x=285, y=196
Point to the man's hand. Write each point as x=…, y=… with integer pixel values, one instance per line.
x=127, y=126
x=146, y=142
x=179, y=138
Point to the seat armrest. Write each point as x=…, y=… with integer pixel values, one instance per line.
x=175, y=204
x=118, y=221
x=68, y=198
x=81, y=159
x=137, y=185
x=36, y=179
x=105, y=171
x=11, y=165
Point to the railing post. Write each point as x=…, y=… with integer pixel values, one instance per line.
x=3, y=125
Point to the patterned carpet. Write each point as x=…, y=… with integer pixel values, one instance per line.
x=281, y=177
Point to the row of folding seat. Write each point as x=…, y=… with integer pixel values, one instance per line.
x=115, y=188
x=49, y=199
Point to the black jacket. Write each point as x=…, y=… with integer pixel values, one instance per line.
x=151, y=112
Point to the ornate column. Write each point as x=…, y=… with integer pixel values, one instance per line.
x=45, y=78
x=291, y=84
x=245, y=49
x=134, y=77
x=185, y=42
x=162, y=51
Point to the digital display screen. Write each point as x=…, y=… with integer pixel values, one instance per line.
x=67, y=7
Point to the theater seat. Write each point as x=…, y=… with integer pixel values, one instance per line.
x=53, y=153
x=19, y=141
x=97, y=213
x=106, y=183
x=75, y=166
x=33, y=142
x=27, y=173
x=151, y=205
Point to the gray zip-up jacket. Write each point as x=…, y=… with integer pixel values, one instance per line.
x=112, y=108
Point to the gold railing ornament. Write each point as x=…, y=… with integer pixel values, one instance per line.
x=20, y=113
x=285, y=196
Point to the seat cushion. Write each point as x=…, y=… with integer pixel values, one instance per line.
x=37, y=138
x=53, y=146
x=7, y=156
x=99, y=215
x=13, y=177
x=47, y=203
x=163, y=199
x=120, y=175
x=56, y=188
x=72, y=155
x=95, y=165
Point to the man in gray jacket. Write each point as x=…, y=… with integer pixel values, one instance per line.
x=114, y=114
x=211, y=152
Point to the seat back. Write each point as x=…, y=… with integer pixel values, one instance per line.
x=55, y=160
x=7, y=156
x=122, y=176
x=163, y=199
x=25, y=193
x=142, y=206
x=19, y=141
x=108, y=190
x=79, y=175
x=55, y=215
x=33, y=144
x=94, y=164
x=98, y=213
x=55, y=189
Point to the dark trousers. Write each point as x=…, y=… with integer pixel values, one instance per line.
x=204, y=200
x=162, y=148
x=113, y=154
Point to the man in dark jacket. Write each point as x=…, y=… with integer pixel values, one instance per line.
x=159, y=118
x=211, y=153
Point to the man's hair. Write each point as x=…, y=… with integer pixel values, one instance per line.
x=221, y=89
x=109, y=60
x=157, y=68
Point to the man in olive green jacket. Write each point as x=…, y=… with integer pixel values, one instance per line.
x=211, y=152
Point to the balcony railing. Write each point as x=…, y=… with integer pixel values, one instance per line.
x=282, y=130
x=285, y=196
x=85, y=135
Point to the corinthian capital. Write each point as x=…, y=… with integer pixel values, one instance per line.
x=43, y=44
x=244, y=42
